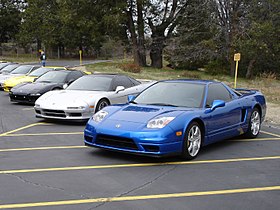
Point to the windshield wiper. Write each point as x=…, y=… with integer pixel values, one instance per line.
x=162, y=104
x=45, y=81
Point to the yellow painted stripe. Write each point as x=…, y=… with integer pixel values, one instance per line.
x=43, y=134
x=257, y=139
x=137, y=165
x=22, y=128
x=272, y=134
x=140, y=197
x=42, y=148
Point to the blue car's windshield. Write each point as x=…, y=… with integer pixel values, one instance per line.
x=183, y=94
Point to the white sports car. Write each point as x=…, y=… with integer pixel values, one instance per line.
x=87, y=95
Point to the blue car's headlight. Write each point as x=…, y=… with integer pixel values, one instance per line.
x=99, y=116
x=160, y=122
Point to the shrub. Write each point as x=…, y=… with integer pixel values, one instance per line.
x=131, y=67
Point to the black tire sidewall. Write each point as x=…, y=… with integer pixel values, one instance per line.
x=99, y=102
x=185, y=153
x=249, y=133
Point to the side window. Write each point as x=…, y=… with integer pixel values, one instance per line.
x=217, y=92
x=122, y=81
x=74, y=75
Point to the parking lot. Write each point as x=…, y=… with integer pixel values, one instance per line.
x=45, y=165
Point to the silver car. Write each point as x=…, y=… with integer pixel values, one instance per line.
x=86, y=96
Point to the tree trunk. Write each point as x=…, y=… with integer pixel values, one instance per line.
x=156, y=51
x=249, y=72
x=141, y=37
x=39, y=45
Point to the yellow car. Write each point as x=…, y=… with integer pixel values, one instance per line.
x=10, y=83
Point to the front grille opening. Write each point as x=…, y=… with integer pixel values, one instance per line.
x=75, y=114
x=88, y=138
x=38, y=111
x=151, y=148
x=116, y=141
x=54, y=113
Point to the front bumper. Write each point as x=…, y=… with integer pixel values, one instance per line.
x=62, y=114
x=23, y=98
x=161, y=142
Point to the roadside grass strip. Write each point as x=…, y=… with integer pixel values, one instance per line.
x=140, y=197
x=75, y=168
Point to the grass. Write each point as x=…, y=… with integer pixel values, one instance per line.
x=270, y=87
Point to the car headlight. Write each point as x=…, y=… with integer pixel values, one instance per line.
x=160, y=122
x=99, y=116
x=35, y=94
x=37, y=106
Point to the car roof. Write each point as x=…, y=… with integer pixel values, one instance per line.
x=205, y=82
x=105, y=75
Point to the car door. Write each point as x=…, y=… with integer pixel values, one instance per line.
x=121, y=96
x=223, y=122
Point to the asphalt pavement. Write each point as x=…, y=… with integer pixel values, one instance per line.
x=45, y=165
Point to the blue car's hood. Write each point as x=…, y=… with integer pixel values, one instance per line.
x=144, y=113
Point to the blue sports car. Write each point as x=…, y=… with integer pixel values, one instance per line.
x=177, y=117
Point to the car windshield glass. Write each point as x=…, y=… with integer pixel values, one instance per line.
x=38, y=72
x=183, y=94
x=2, y=65
x=21, y=70
x=53, y=77
x=92, y=83
x=9, y=68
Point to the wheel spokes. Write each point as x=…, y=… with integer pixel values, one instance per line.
x=194, y=140
x=255, y=123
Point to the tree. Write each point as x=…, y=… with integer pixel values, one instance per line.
x=260, y=45
x=10, y=11
x=193, y=44
x=231, y=16
x=162, y=18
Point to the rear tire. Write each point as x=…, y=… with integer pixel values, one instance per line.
x=192, y=141
x=101, y=104
x=254, y=124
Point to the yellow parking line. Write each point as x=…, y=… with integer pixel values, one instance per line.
x=257, y=139
x=42, y=148
x=138, y=165
x=43, y=134
x=272, y=134
x=140, y=197
x=22, y=128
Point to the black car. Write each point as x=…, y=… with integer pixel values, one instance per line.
x=52, y=80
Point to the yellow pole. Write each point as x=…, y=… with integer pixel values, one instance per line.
x=81, y=61
x=236, y=71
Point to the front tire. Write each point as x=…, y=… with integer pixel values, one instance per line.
x=101, y=104
x=254, y=125
x=192, y=141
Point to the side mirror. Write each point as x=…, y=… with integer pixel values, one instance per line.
x=215, y=105
x=65, y=86
x=130, y=98
x=119, y=88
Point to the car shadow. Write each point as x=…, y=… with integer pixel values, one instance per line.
x=135, y=158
